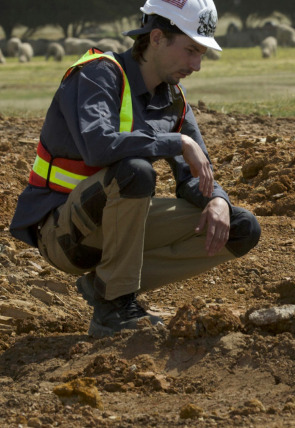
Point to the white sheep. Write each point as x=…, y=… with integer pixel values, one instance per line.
x=212, y=54
x=108, y=44
x=55, y=50
x=2, y=58
x=285, y=35
x=269, y=47
x=25, y=52
x=22, y=58
x=75, y=46
x=12, y=46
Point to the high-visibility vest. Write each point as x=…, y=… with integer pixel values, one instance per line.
x=126, y=114
x=62, y=174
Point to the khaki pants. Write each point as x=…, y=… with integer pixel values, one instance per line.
x=133, y=244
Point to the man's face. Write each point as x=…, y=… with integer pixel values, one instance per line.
x=176, y=59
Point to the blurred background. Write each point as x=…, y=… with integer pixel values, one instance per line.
x=255, y=71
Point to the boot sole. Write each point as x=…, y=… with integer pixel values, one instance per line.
x=98, y=331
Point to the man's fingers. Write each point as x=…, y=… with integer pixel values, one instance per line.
x=210, y=239
x=216, y=217
x=216, y=240
x=199, y=165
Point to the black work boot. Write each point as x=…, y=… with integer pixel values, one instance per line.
x=85, y=286
x=110, y=316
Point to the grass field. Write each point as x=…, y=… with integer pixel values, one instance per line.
x=243, y=81
x=240, y=81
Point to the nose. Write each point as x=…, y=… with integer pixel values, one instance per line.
x=196, y=63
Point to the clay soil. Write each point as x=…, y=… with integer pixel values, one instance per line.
x=209, y=365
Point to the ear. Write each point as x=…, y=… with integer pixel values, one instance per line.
x=156, y=36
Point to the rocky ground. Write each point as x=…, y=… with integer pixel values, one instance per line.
x=226, y=355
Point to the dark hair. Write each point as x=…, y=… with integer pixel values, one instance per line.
x=151, y=22
x=143, y=40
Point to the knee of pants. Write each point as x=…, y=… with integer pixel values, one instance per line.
x=244, y=233
x=136, y=177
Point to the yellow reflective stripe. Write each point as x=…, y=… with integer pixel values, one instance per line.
x=126, y=112
x=40, y=167
x=88, y=57
x=65, y=178
x=58, y=175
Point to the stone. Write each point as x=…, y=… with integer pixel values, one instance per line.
x=276, y=319
x=82, y=390
x=22, y=164
x=286, y=289
x=55, y=286
x=232, y=344
x=10, y=310
x=255, y=404
x=42, y=295
x=160, y=383
x=190, y=322
x=191, y=411
x=5, y=320
x=272, y=315
x=252, y=167
x=35, y=423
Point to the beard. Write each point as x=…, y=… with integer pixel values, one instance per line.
x=172, y=79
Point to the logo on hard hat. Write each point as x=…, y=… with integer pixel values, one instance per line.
x=208, y=21
x=177, y=3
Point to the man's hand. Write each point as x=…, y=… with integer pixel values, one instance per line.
x=216, y=216
x=199, y=165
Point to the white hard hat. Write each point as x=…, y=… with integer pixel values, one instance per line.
x=195, y=18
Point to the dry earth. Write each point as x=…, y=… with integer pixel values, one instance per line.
x=226, y=356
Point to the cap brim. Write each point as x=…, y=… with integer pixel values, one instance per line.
x=137, y=32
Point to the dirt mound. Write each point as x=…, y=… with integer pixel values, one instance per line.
x=225, y=356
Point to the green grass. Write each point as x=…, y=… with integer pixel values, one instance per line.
x=240, y=81
x=243, y=81
x=27, y=89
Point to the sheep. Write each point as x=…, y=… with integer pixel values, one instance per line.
x=109, y=44
x=127, y=43
x=12, y=46
x=55, y=50
x=22, y=58
x=212, y=54
x=25, y=52
x=2, y=58
x=285, y=35
x=269, y=47
x=75, y=46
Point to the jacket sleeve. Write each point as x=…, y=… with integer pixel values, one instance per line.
x=90, y=103
x=187, y=186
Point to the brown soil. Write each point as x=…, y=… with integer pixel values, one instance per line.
x=211, y=365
